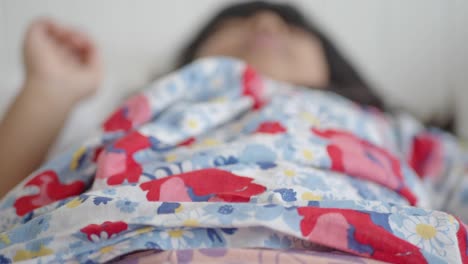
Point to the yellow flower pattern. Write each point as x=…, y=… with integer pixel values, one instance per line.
x=76, y=158
x=27, y=254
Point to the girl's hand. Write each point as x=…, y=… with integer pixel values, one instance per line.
x=61, y=63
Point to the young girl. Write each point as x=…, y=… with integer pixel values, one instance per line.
x=63, y=67
x=247, y=147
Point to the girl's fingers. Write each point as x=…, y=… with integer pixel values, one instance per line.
x=77, y=40
x=57, y=31
x=84, y=46
x=90, y=55
x=67, y=43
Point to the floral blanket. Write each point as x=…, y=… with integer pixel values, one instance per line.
x=217, y=156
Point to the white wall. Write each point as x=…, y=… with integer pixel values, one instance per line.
x=413, y=51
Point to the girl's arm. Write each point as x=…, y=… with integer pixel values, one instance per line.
x=62, y=68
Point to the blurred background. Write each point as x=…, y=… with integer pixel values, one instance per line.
x=415, y=52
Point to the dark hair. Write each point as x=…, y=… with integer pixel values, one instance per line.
x=344, y=79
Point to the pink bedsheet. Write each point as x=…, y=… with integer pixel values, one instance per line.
x=240, y=256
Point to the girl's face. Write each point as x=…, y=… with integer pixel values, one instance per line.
x=276, y=49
